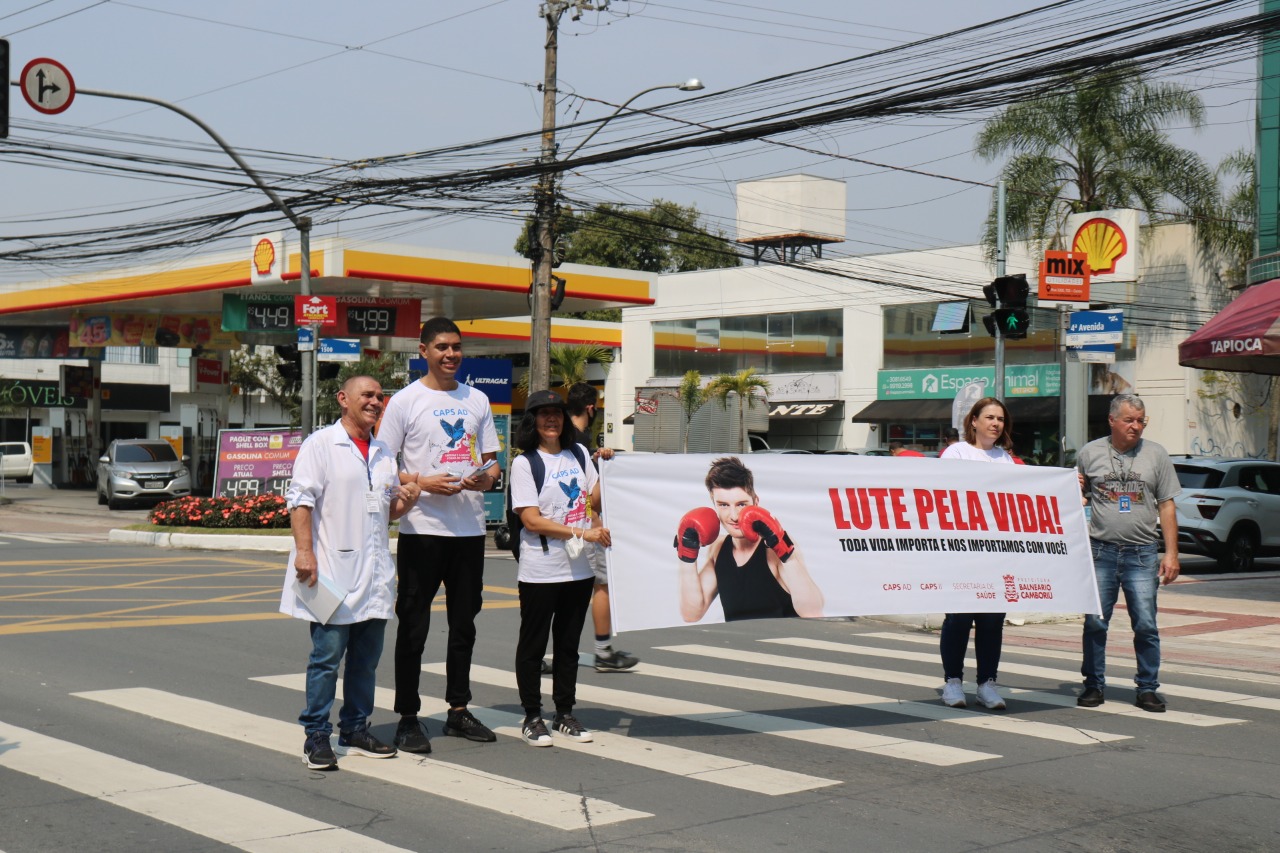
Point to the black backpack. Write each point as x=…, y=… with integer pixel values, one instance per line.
x=539, y=471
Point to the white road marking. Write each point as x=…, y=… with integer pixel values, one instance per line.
x=438, y=779
x=216, y=814
x=1182, y=717
x=650, y=754
x=922, y=710
x=799, y=730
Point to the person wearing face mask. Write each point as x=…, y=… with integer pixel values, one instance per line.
x=555, y=577
x=988, y=433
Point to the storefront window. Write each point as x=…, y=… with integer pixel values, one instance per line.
x=802, y=341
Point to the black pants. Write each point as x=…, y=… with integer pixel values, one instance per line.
x=422, y=564
x=954, y=642
x=558, y=609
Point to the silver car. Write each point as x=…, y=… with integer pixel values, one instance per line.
x=1229, y=509
x=141, y=470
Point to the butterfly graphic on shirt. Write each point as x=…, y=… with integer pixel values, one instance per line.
x=572, y=490
x=454, y=430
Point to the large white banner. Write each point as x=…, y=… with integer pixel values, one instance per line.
x=798, y=535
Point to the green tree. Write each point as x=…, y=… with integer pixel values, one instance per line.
x=1095, y=142
x=744, y=383
x=569, y=363
x=255, y=371
x=692, y=396
x=1232, y=229
x=665, y=237
x=389, y=369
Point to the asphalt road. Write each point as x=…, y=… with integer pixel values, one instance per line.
x=148, y=701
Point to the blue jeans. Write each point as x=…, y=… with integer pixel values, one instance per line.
x=1136, y=570
x=953, y=642
x=361, y=642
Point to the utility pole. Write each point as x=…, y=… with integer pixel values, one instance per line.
x=545, y=208
x=998, y=390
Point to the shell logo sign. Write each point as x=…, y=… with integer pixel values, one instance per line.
x=1110, y=241
x=267, y=260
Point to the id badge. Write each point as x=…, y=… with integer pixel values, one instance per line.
x=373, y=502
x=1126, y=504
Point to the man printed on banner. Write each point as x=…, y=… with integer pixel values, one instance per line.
x=761, y=573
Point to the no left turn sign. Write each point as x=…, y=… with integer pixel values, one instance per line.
x=47, y=85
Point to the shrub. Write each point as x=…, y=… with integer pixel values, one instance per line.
x=259, y=512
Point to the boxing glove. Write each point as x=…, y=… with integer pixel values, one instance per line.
x=756, y=522
x=697, y=528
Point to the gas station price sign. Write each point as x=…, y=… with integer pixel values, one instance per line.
x=358, y=316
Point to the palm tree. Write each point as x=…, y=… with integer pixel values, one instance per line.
x=1095, y=142
x=569, y=363
x=744, y=383
x=692, y=396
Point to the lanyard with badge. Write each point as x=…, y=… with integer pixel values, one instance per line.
x=1124, y=502
x=372, y=499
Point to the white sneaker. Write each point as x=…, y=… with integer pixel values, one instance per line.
x=989, y=696
x=953, y=693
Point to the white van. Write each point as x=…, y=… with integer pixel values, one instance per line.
x=16, y=461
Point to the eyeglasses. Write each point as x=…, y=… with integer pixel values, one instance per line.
x=1132, y=421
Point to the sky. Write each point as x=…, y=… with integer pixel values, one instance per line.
x=338, y=82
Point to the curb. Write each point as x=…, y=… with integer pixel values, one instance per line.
x=207, y=542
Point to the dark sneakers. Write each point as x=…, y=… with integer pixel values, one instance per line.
x=1091, y=698
x=616, y=661
x=568, y=725
x=318, y=754
x=463, y=724
x=1149, y=700
x=363, y=743
x=411, y=736
x=534, y=732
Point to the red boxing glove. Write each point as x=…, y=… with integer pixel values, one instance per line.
x=756, y=522
x=697, y=528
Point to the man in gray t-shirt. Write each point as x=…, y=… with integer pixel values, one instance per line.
x=1130, y=484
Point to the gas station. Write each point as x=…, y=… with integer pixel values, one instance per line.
x=69, y=399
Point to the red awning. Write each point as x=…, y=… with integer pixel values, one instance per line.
x=1243, y=338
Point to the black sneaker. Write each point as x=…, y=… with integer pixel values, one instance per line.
x=411, y=736
x=318, y=754
x=1149, y=700
x=534, y=732
x=568, y=725
x=464, y=724
x=1090, y=698
x=616, y=661
x=362, y=743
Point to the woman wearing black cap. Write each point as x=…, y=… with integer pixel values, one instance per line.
x=555, y=576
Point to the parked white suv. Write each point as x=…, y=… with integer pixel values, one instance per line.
x=141, y=470
x=1229, y=509
x=16, y=462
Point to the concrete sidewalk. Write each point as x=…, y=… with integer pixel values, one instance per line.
x=1222, y=622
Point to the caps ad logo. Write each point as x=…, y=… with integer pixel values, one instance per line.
x=1103, y=242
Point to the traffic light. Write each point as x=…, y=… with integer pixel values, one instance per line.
x=1008, y=295
x=4, y=89
x=290, y=366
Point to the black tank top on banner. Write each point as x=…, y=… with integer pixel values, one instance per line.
x=750, y=591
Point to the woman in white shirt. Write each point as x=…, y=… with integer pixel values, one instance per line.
x=555, y=575
x=987, y=438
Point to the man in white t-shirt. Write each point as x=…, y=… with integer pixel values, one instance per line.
x=445, y=434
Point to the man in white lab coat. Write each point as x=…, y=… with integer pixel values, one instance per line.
x=341, y=577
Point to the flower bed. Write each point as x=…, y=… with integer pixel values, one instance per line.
x=262, y=511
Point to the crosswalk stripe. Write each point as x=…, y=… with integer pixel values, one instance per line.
x=220, y=815
x=800, y=730
x=1225, y=697
x=1181, y=717
x=650, y=754
x=482, y=790
x=922, y=710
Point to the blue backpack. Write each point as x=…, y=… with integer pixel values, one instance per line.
x=539, y=471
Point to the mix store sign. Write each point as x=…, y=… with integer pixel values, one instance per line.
x=1020, y=380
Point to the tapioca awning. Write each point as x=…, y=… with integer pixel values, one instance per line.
x=1243, y=338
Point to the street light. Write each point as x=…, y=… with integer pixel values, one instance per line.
x=544, y=217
